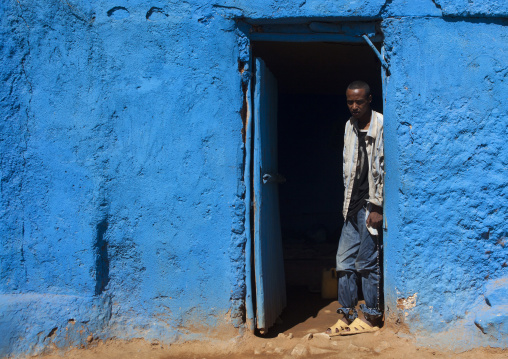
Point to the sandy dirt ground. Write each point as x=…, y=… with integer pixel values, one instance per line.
x=384, y=345
x=299, y=334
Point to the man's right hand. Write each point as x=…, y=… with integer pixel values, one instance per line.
x=375, y=219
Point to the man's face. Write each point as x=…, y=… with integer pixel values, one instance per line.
x=358, y=103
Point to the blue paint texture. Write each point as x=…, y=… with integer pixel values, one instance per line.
x=447, y=163
x=122, y=211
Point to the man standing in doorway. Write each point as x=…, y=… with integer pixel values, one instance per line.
x=358, y=252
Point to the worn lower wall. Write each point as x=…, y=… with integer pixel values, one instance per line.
x=122, y=157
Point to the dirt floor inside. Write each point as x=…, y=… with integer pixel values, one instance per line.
x=299, y=334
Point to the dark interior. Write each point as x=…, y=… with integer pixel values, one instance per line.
x=312, y=79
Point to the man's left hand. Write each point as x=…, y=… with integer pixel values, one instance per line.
x=375, y=219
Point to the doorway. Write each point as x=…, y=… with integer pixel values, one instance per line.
x=311, y=114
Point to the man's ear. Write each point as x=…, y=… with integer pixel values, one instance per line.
x=370, y=98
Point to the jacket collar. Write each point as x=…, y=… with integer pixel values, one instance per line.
x=373, y=127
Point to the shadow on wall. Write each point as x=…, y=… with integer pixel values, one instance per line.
x=102, y=258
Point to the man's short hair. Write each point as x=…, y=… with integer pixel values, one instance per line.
x=356, y=85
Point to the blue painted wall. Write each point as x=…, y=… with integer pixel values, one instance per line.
x=122, y=159
x=447, y=167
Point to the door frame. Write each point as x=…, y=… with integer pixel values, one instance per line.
x=313, y=31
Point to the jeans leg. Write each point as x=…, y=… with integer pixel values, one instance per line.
x=349, y=244
x=368, y=266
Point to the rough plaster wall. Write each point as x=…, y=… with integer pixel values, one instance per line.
x=121, y=173
x=175, y=162
x=122, y=210
x=447, y=165
x=47, y=253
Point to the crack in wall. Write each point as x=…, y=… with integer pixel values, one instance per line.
x=437, y=4
x=22, y=250
x=227, y=7
x=384, y=7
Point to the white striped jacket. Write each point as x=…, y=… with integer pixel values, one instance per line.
x=375, y=154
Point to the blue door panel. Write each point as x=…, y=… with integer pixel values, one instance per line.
x=268, y=256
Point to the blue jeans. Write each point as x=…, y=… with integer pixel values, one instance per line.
x=358, y=254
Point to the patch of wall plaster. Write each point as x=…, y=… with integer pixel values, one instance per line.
x=407, y=303
x=122, y=195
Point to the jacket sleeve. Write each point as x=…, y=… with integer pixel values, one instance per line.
x=378, y=169
x=344, y=155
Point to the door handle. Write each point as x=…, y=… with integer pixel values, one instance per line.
x=270, y=178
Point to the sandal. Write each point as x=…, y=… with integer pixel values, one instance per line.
x=337, y=328
x=358, y=327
